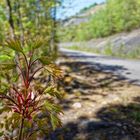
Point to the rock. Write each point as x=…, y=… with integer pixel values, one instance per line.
x=68, y=89
x=119, y=124
x=65, y=68
x=77, y=105
x=68, y=79
x=126, y=138
x=113, y=97
x=15, y=132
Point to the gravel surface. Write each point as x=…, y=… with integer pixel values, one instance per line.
x=128, y=69
x=98, y=104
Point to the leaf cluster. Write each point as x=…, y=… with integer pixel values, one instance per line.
x=43, y=110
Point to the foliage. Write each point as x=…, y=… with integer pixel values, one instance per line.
x=22, y=57
x=28, y=109
x=109, y=50
x=116, y=16
x=84, y=48
x=28, y=19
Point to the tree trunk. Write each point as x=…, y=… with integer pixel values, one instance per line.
x=10, y=18
x=53, y=35
x=20, y=23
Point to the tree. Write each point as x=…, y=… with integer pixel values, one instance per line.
x=30, y=18
x=10, y=18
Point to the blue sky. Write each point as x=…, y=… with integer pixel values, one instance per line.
x=71, y=7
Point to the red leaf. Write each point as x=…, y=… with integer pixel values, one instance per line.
x=29, y=96
x=16, y=109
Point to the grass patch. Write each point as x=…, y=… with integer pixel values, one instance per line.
x=120, y=52
x=84, y=48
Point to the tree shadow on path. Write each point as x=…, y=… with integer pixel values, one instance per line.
x=116, y=121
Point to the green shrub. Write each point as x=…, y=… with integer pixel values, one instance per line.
x=27, y=105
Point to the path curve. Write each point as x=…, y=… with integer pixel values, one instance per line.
x=127, y=69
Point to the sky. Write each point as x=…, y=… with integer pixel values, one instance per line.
x=71, y=7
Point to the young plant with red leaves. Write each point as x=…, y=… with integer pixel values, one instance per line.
x=26, y=98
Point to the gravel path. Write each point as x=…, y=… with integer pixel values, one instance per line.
x=127, y=69
x=98, y=104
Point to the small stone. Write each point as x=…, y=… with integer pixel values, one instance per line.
x=77, y=105
x=68, y=79
x=68, y=89
x=126, y=138
x=125, y=127
x=113, y=97
x=104, y=103
x=119, y=124
x=15, y=132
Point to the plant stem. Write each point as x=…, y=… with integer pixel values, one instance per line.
x=34, y=74
x=26, y=60
x=21, y=129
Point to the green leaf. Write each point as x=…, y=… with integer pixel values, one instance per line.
x=55, y=121
x=38, y=43
x=15, y=77
x=54, y=70
x=14, y=44
x=4, y=57
x=45, y=60
x=35, y=44
x=53, y=92
x=7, y=66
x=1, y=133
x=51, y=107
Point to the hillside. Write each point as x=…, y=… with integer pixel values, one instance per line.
x=121, y=45
x=102, y=21
x=83, y=16
x=91, y=10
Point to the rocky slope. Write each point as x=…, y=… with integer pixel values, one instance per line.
x=122, y=43
x=83, y=17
